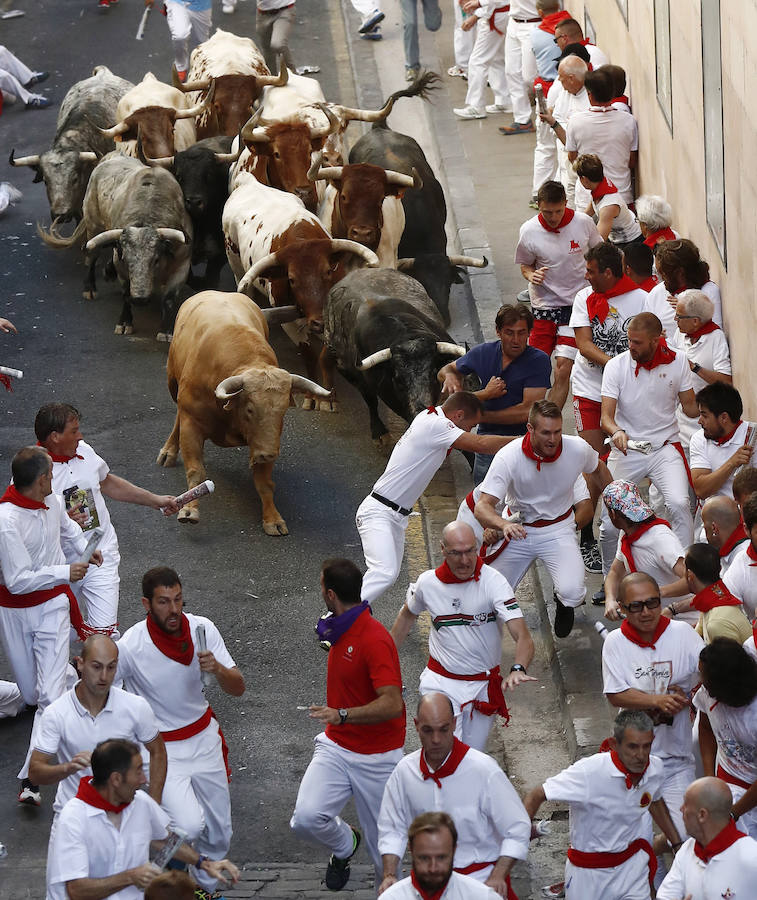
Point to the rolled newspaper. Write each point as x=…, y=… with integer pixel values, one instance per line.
x=638, y=446
x=202, y=646
x=601, y=630
x=750, y=438
x=143, y=23
x=207, y=487
x=13, y=373
x=540, y=99
x=94, y=540
x=172, y=843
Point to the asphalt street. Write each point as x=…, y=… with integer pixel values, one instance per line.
x=261, y=591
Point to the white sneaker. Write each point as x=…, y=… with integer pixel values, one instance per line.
x=497, y=108
x=228, y=8
x=469, y=112
x=457, y=72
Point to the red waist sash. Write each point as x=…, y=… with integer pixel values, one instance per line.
x=611, y=860
x=495, y=705
x=37, y=598
x=476, y=867
x=188, y=731
x=732, y=779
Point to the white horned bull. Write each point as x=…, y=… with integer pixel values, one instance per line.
x=228, y=388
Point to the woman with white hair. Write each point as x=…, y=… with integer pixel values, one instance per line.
x=655, y=215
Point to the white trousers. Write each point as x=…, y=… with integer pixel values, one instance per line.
x=748, y=821
x=471, y=726
x=365, y=7
x=566, y=174
x=462, y=41
x=196, y=795
x=13, y=76
x=545, y=155
x=517, y=45
x=382, y=533
x=11, y=701
x=487, y=63
x=183, y=22
x=99, y=591
x=36, y=644
x=333, y=776
x=628, y=881
x=665, y=469
x=557, y=547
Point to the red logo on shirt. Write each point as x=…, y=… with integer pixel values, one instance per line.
x=646, y=799
x=575, y=247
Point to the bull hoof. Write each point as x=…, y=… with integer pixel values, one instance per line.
x=188, y=516
x=275, y=529
x=128, y=329
x=384, y=443
x=89, y=295
x=164, y=337
x=331, y=406
x=166, y=458
x=308, y=403
x=119, y=329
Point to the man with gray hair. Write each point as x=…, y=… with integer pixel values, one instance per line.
x=609, y=795
x=655, y=215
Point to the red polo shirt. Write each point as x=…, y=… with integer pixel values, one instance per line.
x=362, y=660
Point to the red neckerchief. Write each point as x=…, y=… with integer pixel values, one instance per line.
x=628, y=540
x=448, y=767
x=604, y=188
x=549, y=23
x=528, y=451
x=566, y=220
x=728, y=836
x=713, y=596
x=635, y=638
x=751, y=554
x=727, y=437
x=427, y=895
x=64, y=459
x=737, y=536
x=91, y=796
x=664, y=234
x=632, y=778
x=12, y=495
x=707, y=328
x=649, y=283
x=663, y=356
x=447, y=576
x=180, y=649
x=621, y=99
x=596, y=303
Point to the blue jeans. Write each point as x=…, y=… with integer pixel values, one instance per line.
x=432, y=19
x=481, y=463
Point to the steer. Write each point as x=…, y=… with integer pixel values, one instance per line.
x=78, y=143
x=228, y=388
x=140, y=212
x=437, y=272
x=386, y=337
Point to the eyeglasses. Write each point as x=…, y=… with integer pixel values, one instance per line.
x=456, y=554
x=677, y=317
x=638, y=605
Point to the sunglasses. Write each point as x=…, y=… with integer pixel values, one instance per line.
x=638, y=605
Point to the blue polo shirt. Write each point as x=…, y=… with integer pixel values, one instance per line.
x=532, y=369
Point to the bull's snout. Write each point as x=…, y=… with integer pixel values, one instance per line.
x=62, y=213
x=139, y=301
x=194, y=205
x=366, y=235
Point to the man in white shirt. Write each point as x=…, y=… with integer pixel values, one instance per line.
x=40, y=556
x=537, y=474
x=718, y=860
x=641, y=389
x=719, y=450
x=470, y=604
x=382, y=517
x=741, y=577
x=81, y=478
x=447, y=775
x=721, y=520
x=569, y=31
x=486, y=64
x=432, y=837
x=105, y=833
x=651, y=663
x=160, y=659
x=609, y=795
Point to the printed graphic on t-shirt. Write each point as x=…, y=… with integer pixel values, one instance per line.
x=83, y=499
x=610, y=336
x=655, y=679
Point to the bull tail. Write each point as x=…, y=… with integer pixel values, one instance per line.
x=54, y=239
x=421, y=87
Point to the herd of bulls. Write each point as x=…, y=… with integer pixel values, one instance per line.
x=241, y=165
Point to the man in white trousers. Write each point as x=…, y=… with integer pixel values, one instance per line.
x=470, y=605
x=16, y=78
x=446, y=774
x=40, y=556
x=371, y=18
x=524, y=17
x=188, y=19
x=364, y=717
x=382, y=517
x=462, y=41
x=487, y=62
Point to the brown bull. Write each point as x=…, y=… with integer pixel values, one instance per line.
x=228, y=388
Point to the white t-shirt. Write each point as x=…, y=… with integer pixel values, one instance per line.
x=565, y=105
x=459, y=887
x=612, y=135
x=735, y=730
x=539, y=493
x=490, y=818
x=741, y=580
x=610, y=336
x=86, y=844
x=647, y=403
x=523, y=9
x=467, y=619
x=710, y=456
x=625, y=226
x=730, y=874
x=66, y=728
x=711, y=352
x=563, y=252
x=416, y=457
x=605, y=815
x=172, y=689
x=655, y=552
x=673, y=661
x=657, y=303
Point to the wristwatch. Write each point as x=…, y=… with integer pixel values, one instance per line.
x=342, y=715
x=518, y=668
x=695, y=368
x=200, y=860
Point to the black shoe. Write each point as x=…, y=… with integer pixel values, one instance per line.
x=338, y=870
x=598, y=598
x=592, y=557
x=564, y=616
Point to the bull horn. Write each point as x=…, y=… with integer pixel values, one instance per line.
x=275, y=315
x=188, y=86
x=255, y=271
x=275, y=80
x=23, y=160
x=164, y=162
x=194, y=111
x=333, y=126
x=399, y=178
x=87, y=156
x=228, y=157
x=375, y=358
x=341, y=244
x=250, y=131
x=406, y=263
x=478, y=262
x=351, y=114
x=114, y=131
x=315, y=167
x=172, y=234
x=230, y=387
x=105, y=237
x=306, y=386
x=327, y=173
x=452, y=349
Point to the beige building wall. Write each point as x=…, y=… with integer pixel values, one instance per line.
x=673, y=165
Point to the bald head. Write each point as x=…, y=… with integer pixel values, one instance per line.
x=434, y=706
x=573, y=67
x=708, y=802
x=99, y=645
x=720, y=517
x=646, y=322
x=457, y=531
x=633, y=579
x=435, y=724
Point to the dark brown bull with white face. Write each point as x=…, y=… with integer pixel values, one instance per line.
x=228, y=388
